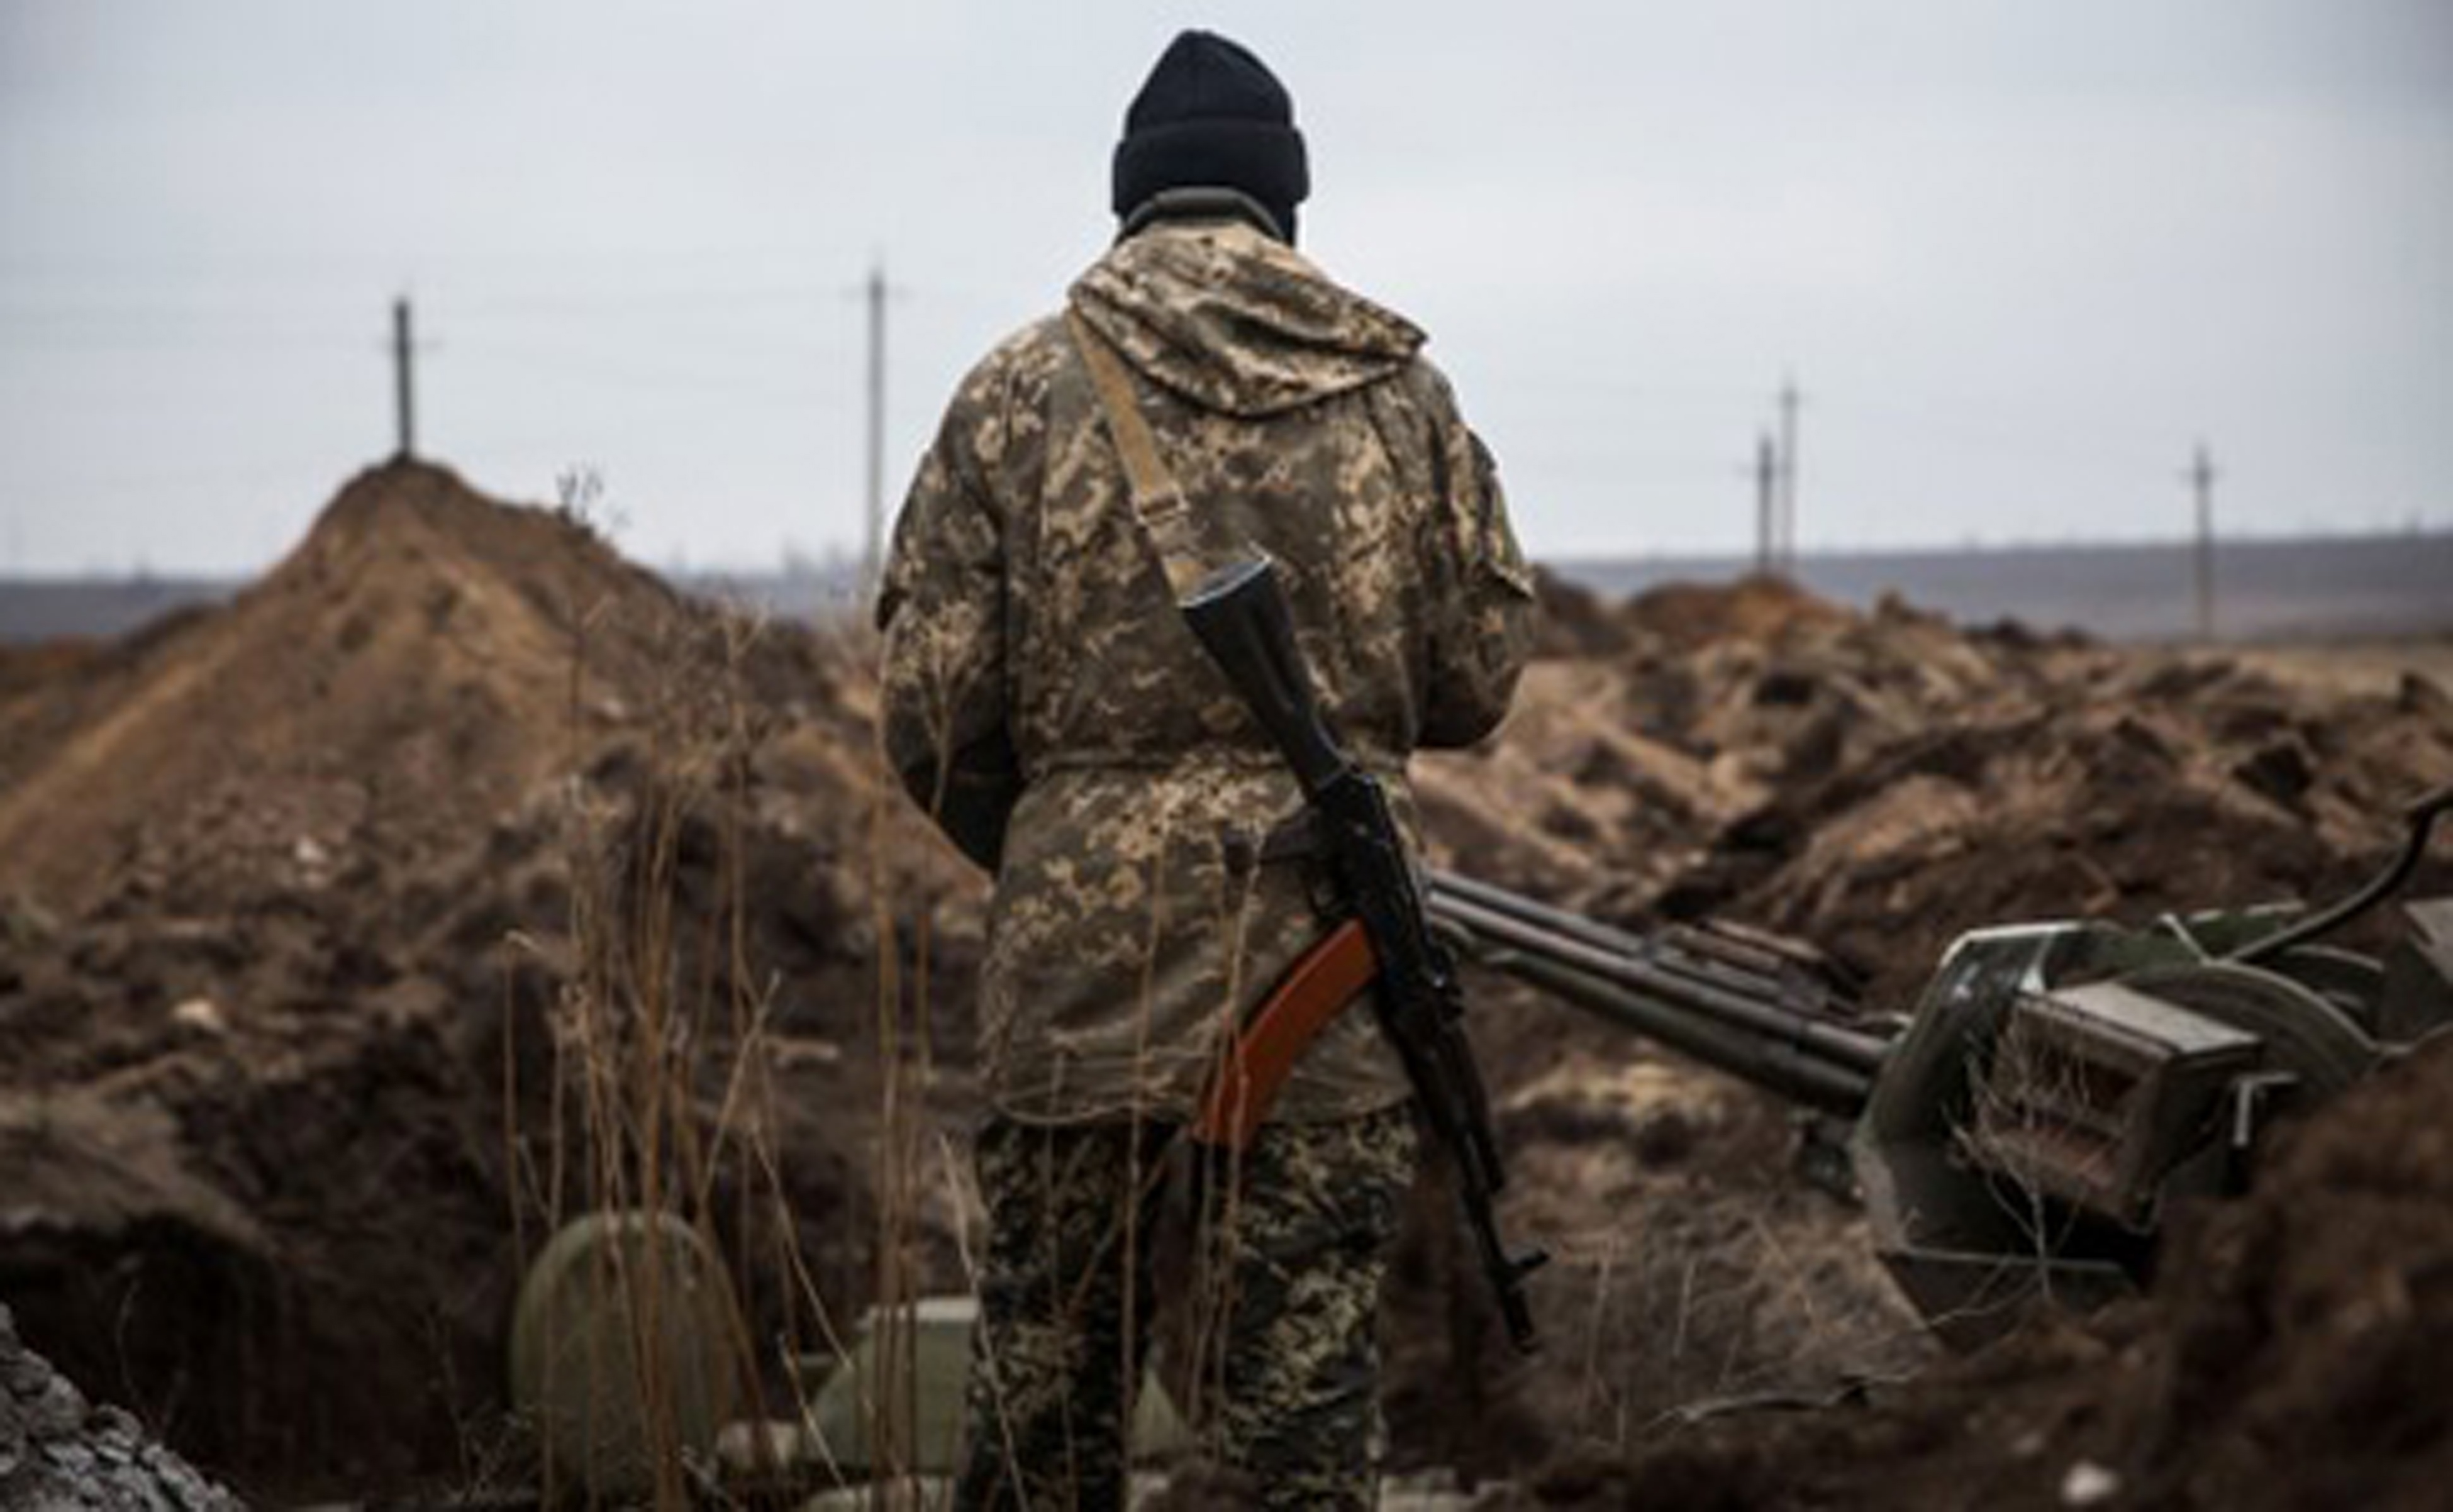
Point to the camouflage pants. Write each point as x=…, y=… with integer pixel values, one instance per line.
x=1280, y=1366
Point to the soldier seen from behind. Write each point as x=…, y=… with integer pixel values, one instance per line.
x=1044, y=701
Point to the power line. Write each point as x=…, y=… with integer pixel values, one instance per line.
x=593, y=367
x=594, y=306
x=136, y=338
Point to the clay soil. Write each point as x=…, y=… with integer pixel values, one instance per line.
x=332, y=916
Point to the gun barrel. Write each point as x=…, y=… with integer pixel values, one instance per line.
x=1744, y=961
x=1731, y=1005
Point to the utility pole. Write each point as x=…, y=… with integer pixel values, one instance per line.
x=1789, y=402
x=2201, y=482
x=1767, y=503
x=404, y=388
x=872, y=556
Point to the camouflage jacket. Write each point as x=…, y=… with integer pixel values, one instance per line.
x=1035, y=665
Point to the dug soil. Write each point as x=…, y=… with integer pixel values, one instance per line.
x=346, y=923
x=2292, y=1356
x=458, y=877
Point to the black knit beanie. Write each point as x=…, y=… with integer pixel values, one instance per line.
x=1213, y=116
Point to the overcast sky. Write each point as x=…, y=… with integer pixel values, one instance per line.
x=2019, y=256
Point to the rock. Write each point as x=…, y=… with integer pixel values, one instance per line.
x=201, y=1014
x=2280, y=772
x=57, y=1452
x=2089, y=1484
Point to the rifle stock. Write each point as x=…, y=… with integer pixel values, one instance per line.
x=1241, y=617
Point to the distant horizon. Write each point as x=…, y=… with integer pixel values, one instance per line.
x=2334, y=585
x=833, y=557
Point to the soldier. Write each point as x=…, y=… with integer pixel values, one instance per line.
x=1044, y=700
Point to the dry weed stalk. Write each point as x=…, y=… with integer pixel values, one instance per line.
x=2046, y=1226
x=661, y=1097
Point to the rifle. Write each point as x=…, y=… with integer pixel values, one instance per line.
x=1240, y=615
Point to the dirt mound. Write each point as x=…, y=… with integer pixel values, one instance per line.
x=2290, y=1356
x=1875, y=783
x=1879, y=783
x=1621, y=771
x=421, y=660
x=327, y=911
x=1754, y=608
x=2124, y=788
x=2308, y=1326
x=1568, y=620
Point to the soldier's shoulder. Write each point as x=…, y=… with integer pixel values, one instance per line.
x=1421, y=382
x=1424, y=396
x=1017, y=369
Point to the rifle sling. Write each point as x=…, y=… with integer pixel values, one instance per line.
x=1166, y=518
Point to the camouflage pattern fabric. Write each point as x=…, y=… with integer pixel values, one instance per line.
x=1294, y=1237
x=1282, y=1379
x=1025, y=616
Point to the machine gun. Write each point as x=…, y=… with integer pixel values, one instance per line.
x=2055, y=1088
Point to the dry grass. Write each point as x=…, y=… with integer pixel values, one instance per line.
x=663, y=1096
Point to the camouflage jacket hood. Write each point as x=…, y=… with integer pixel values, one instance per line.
x=1237, y=322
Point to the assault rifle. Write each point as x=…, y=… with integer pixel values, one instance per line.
x=1240, y=615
